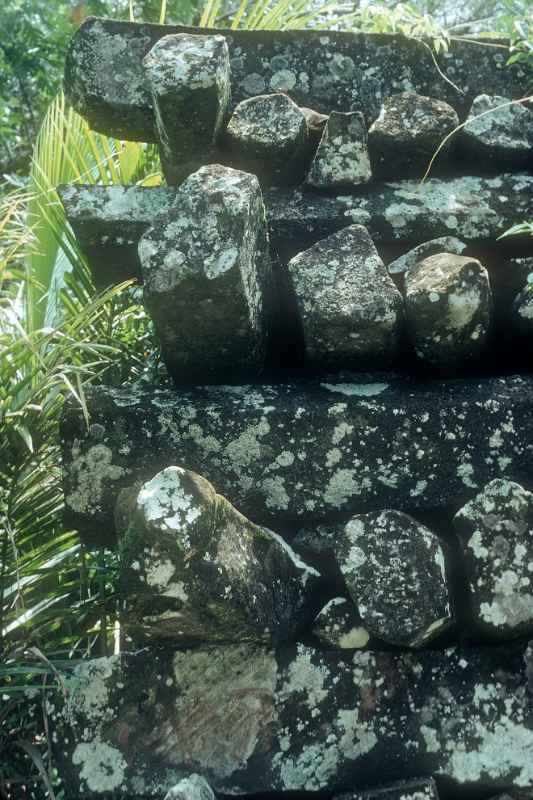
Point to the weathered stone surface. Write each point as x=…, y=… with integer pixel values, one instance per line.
x=301, y=451
x=189, y=80
x=316, y=122
x=496, y=528
x=108, y=222
x=321, y=70
x=268, y=135
x=418, y=789
x=207, y=278
x=250, y=720
x=338, y=625
x=342, y=157
x=395, y=572
x=473, y=209
x=522, y=310
x=348, y=306
x=194, y=787
x=444, y=244
x=448, y=304
x=407, y=133
x=501, y=136
x=193, y=569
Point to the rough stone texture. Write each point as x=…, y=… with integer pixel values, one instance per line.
x=250, y=720
x=301, y=451
x=522, y=310
x=324, y=71
x=316, y=122
x=342, y=157
x=396, y=574
x=444, y=244
x=448, y=305
x=418, y=789
x=193, y=569
x=501, y=137
x=496, y=528
x=338, y=626
x=348, y=306
x=207, y=278
x=407, y=133
x=108, y=222
x=268, y=135
x=473, y=209
x=189, y=79
x=195, y=787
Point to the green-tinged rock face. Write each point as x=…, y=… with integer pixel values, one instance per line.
x=251, y=720
x=193, y=569
x=498, y=133
x=496, y=529
x=207, y=278
x=406, y=134
x=189, y=80
x=448, y=302
x=268, y=135
x=349, y=308
x=342, y=156
x=395, y=572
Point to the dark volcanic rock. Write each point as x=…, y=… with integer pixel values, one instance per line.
x=348, y=306
x=395, y=572
x=253, y=721
x=194, y=787
x=522, y=310
x=338, y=625
x=474, y=209
x=496, y=528
x=445, y=244
x=407, y=133
x=448, y=304
x=302, y=451
x=418, y=789
x=207, y=278
x=195, y=570
x=316, y=122
x=189, y=79
x=268, y=135
x=501, y=136
x=342, y=156
x=320, y=70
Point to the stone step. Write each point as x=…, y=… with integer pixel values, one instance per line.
x=106, y=83
x=251, y=720
x=302, y=452
x=109, y=220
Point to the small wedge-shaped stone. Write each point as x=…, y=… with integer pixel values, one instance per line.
x=194, y=787
x=342, y=157
x=443, y=244
x=268, y=135
x=407, y=133
x=418, y=789
x=498, y=133
x=349, y=308
x=189, y=79
x=193, y=569
x=338, y=626
x=207, y=278
x=448, y=308
x=496, y=528
x=395, y=572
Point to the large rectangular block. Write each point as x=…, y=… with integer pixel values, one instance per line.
x=302, y=452
x=105, y=81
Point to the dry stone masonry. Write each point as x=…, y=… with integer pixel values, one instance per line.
x=323, y=514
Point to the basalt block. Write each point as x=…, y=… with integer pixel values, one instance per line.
x=498, y=133
x=445, y=244
x=348, y=306
x=342, y=156
x=194, y=570
x=251, y=720
x=189, y=80
x=207, y=278
x=338, y=626
x=395, y=571
x=496, y=529
x=194, y=787
x=321, y=70
x=301, y=450
x=418, y=789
